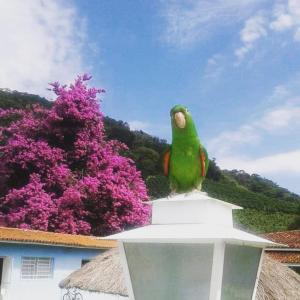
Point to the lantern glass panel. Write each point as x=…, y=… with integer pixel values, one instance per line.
x=170, y=271
x=240, y=270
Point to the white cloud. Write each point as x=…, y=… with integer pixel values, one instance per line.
x=190, y=21
x=287, y=16
x=276, y=121
x=297, y=35
x=139, y=125
x=271, y=164
x=283, y=16
x=214, y=67
x=280, y=118
x=41, y=43
x=253, y=30
x=282, y=19
x=227, y=140
x=151, y=128
x=280, y=91
x=287, y=94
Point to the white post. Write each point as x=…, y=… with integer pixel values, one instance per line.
x=217, y=271
x=258, y=273
x=126, y=271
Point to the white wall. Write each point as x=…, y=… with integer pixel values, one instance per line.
x=66, y=260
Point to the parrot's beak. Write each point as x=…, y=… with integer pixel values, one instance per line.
x=180, y=119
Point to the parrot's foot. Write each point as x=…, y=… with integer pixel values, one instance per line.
x=195, y=190
x=199, y=187
x=172, y=193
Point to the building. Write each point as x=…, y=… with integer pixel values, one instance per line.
x=289, y=255
x=32, y=263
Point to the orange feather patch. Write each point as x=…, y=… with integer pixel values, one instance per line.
x=202, y=157
x=166, y=160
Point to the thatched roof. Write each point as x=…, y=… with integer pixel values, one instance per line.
x=277, y=281
x=104, y=274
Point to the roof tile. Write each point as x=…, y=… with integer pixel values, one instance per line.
x=289, y=238
x=15, y=235
x=287, y=257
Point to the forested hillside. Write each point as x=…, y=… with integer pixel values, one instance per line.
x=267, y=207
x=15, y=99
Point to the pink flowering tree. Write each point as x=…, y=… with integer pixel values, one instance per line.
x=59, y=173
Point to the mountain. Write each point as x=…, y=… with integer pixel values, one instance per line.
x=15, y=99
x=267, y=206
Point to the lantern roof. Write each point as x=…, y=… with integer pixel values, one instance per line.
x=190, y=233
x=195, y=196
x=191, y=218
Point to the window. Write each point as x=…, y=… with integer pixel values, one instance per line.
x=239, y=272
x=36, y=267
x=85, y=261
x=295, y=268
x=182, y=271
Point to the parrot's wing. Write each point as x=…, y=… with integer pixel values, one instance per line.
x=166, y=161
x=204, y=161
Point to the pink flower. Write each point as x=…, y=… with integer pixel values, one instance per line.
x=59, y=173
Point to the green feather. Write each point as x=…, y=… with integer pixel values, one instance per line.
x=185, y=168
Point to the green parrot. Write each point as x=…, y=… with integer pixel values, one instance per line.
x=186, y=161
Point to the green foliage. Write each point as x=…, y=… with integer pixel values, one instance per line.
x=258, y=184
x=143, y=139
x=231, y=191
x=144, y=149
x=158, y=186
x=146, y=159
x=118, y=130
x=213, y=172
x=296, y=223
x=133, y=139
x=261, y=221
x=15, y=99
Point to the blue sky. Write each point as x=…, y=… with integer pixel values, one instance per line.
x=234, y=64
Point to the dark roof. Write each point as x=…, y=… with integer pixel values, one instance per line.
x=289, y=238
x=286, y=257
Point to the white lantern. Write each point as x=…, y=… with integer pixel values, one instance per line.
x=191, y=251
